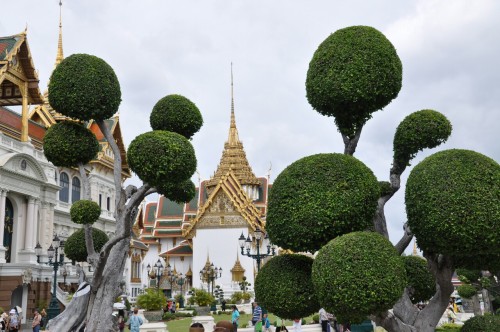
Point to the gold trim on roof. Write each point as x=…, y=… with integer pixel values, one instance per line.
x=233, y=156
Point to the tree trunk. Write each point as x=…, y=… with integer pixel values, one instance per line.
x=74, y=314
x=486, y=300
x=476, y=306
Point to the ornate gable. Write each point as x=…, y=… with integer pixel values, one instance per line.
x=227, y=206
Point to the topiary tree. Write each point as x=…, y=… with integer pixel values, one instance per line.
x=75, y=249
x=487, y=323
x=152, y=300
x=353, y=73
x=85, y=89
x=316, y=199
x=421, y=285
x=362, y=267
x=283, y=282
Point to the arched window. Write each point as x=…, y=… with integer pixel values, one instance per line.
x=64, y=191
x=75, y=189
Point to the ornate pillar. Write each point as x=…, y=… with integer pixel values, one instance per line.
x=30, y=225
x=3, y=198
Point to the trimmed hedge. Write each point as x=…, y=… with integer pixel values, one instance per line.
x=353, y=73
x=318, y=198
x=84, y=212
x=67, y=144
x=419, y=130
x=161, y=158
x=358, y=274
x=467, y=291
x=487, y=323
x=421, y=282
x=178, y=192
x=284, y=287
x=84, y=87
x=178, y=114
x=75, y=249
x=453, y=205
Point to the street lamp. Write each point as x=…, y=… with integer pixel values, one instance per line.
x=172, y=277
x=247, y=244
x=209, y=273
x=157, y=273
x=53, y=255
x=180, y=281
x=64, y=274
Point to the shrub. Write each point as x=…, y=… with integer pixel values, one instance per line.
x=169, y=316
x=358, y=274
x=85, y=212
x=421, y=283
x=283, y=282
x=67, y=144
x=180, y=193
x=75, y=248
x=315, y=318
x=236, y=297
x=318, y=198
x=151, y=300
x=487, y=323
x=449, y=327
x=202, y=297
x=452, y=204
x=84, y=87
x=466, y=291
x=177, y=114
x=353, y=73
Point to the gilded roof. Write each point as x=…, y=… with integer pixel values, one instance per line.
x=237, y=266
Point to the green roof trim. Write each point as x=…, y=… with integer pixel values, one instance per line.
x=169, y=208
x=6, y=45
x=169, y=223
x=151, y=214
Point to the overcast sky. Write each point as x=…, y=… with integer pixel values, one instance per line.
x=449, y=51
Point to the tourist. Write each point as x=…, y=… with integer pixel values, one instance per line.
x=235, y=316
x=323, y=320
x=3, y=321
x=280, y=325
x=37, y=318
x=134, y=322
x=256, y=315
x=297, y=325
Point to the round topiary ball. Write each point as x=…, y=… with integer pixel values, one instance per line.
x=85, y=212
x=353, y=73
x=358, y=274
x=318, y=198
x=487, y=323
x=67, y=144
x=284, y=287
x=75, y=248
x=160, y=157
x=453, y=204
x=419, y=130
x=466, y=291
x=178, y=192
x=84, y=87
x=421, y=282
x=178, y=114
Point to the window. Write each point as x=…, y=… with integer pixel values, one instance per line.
x=108, y=203
x=136, y=268
x=75, y=189
x=100, y=201
x=64, y=191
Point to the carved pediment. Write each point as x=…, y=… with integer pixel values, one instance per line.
x=24, y=165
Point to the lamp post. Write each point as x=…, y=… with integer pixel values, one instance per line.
x=53, y=255
x=209, y=273
x=156, y=273
x=64, y=274
x=247, y=244
x=172, y=277
x=180, y=281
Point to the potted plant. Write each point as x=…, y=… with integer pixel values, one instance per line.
x=153, y=301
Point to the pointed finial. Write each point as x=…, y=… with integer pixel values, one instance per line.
x=60, y=55
x=269, y=171
x=415, y=248
x=26, y=28
x=232, y=98
x=233, y=138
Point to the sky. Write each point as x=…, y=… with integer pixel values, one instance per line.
x=449, y=51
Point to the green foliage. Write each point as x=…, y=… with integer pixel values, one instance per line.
x=353, y=73
x=449, y=327
x=315, y=318
x=151, y=300
x=466, y=291
x=67, y=144
x=385, y=188
x=487, y=323
x=178, y=192
x=468, y=276
x=84, y=87
x=421, y=282
x=419, y=130
x=318, y=198
x=201, y=297
x=283, y=282
x=453, y=205
x=236, y=297
x=358, y=274
x=85, y=212
x=75, y=249
x=178, y=114
x=161, y=158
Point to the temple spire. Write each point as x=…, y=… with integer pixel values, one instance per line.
x=60, y=55
x=233, y=138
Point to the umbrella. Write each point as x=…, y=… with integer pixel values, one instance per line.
x=118, y=306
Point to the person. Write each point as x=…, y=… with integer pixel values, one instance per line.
x=280, y=325
x=297, y=324
x=13, y=321
x=323, y=319
x=43, y=313
x=121, y=321
x=235, y=317
x=450, y=313
x=37, y=318
x=256, y=315
x=347, y=327
x=223, y=305
x=172, y=307
x=3, y=321
x=134, y=322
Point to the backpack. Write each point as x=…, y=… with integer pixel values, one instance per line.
x=42, y=321
x=13, y=321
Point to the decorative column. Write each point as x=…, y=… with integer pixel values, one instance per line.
x=3, y=198
x=30, y=225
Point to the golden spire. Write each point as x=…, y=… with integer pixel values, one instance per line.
x=233, y=157
x=415, y=248
x=60, y=55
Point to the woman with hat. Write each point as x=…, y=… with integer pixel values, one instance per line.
x=13, y=321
